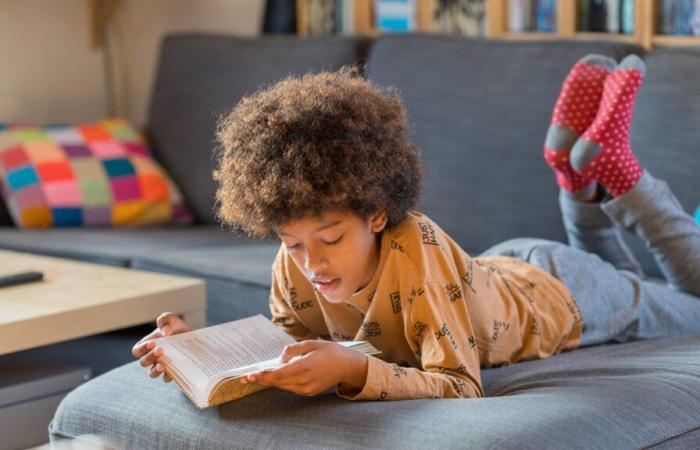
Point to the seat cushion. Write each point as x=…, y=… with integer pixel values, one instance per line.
x=200, y=77
x=479, y=110
x=117, y=246
x=622, y=396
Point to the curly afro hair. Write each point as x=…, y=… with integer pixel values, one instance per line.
x=305, y=146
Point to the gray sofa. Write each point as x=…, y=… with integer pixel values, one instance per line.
x=478, y=110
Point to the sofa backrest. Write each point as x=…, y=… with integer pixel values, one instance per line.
x=201, y=77
x=480, y=109
x=665, y=131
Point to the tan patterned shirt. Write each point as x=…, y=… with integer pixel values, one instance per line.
x=436, y=313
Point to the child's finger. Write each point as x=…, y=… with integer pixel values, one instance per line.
x=151, y=357
x=165, y=319
x=167, y=378
x=141, y=347
x=156, y=370
x=155, y=334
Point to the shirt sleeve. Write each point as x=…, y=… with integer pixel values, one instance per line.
x=282, y=314
x=441, y=333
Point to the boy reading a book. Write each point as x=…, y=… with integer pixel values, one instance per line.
x=323, y=162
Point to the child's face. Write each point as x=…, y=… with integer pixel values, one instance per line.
x=338, y=252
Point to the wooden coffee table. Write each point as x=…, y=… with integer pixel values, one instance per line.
x=78, y=299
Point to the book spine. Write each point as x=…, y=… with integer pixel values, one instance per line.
x=532, y=16
x=597, y=16
x=664, y=16
x=627, y=16
x=674, y=17
x=516, y=18
x=395, y=15
x=349, y=16
x=546, y=15
x=339, y=24
x=584, y=9
x=688, y=19
x=612, y=19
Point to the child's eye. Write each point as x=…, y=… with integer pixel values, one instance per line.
x=292, y=247
x=334, y=242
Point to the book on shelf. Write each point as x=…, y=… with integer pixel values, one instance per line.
x=519, y=18
x=395, y=15
x=607, y=16
x=532, y=15
x=627, y=16
x=612, y=16
x=679, y=17
x=209, y=363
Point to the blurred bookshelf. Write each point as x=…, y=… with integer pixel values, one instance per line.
x=648, y=23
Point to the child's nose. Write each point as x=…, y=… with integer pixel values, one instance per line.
x=315, y=262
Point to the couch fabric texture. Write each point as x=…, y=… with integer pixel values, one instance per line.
x=638, y=395
x=478, y=111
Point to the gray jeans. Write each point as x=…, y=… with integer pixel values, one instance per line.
x=616, y=301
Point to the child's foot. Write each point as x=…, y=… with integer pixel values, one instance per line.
x=603, y=152
x=573, y=113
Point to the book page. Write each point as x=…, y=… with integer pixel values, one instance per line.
x=216, y=349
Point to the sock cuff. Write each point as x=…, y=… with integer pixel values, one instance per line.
x=582, y=214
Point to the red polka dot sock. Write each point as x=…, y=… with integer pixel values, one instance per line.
x=603, y=152
x=573, y=113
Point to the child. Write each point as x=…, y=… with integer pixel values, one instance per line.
x=324, y=163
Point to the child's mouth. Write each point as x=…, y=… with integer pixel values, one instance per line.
x=327, y=285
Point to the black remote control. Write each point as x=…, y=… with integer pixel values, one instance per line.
x=20, y=278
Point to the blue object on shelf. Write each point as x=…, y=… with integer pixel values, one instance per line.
x=395, y=15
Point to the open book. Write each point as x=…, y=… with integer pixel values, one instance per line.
x=208, y=363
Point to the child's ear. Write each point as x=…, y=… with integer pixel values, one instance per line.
x=378, y=221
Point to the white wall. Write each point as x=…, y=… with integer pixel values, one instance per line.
x=50, y=73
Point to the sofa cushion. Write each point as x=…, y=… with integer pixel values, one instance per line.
x=201, y=77
x=479, y=110
x=665, y=135
x=632, y=395
x=237, y=278
x=247, y=263
x=117, y=246
x=97, y=174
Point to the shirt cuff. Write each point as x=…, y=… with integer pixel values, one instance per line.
x=372, y=390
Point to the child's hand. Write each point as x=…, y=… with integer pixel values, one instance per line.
x=310, y=367
x=167, y=324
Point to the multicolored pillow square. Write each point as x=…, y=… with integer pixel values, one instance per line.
x=99, y=174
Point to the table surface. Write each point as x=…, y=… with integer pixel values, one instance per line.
x=78, y=299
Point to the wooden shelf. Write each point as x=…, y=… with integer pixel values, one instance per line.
x=665, y=39
x=496, y=26
x=529, y=35
x=594, y=36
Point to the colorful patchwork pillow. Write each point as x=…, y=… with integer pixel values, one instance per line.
x=98, y=174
